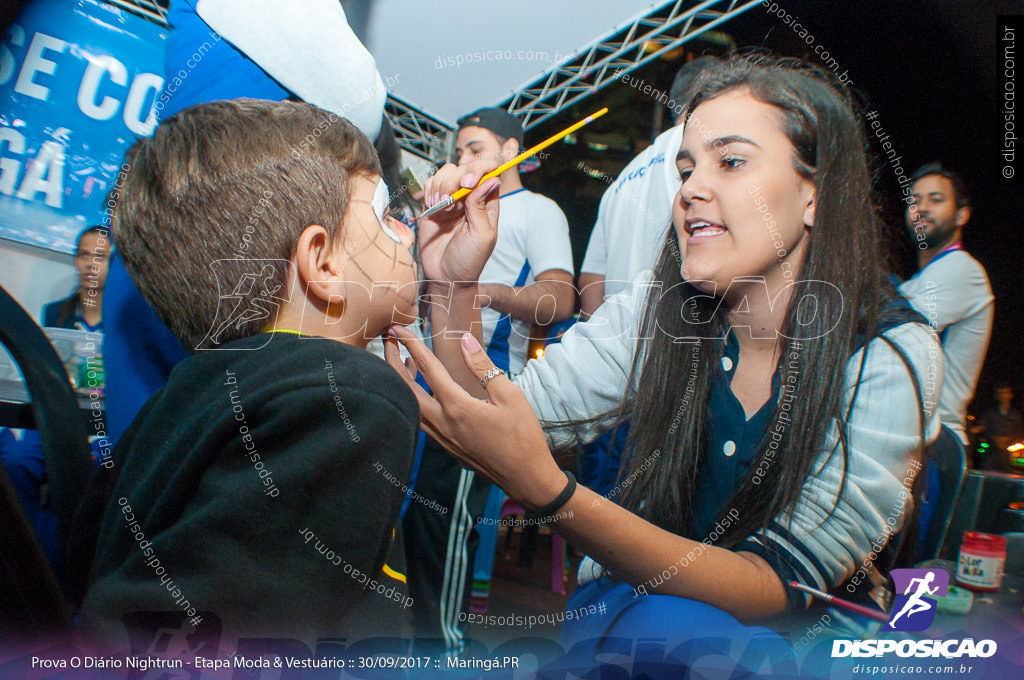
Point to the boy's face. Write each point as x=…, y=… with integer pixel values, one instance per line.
x=379, y=269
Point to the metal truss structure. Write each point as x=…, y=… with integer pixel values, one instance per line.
x=648, y=36
x=418, y=132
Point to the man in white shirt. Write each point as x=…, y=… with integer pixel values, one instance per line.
x=951, y=288
x=635, y=214
x=528, y=279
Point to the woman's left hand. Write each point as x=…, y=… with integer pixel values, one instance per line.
x=499, y=437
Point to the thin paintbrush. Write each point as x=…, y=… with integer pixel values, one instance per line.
x=512, y=163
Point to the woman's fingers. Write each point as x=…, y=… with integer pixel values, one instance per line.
x=431, y=191
x=428, y=405
x=450, y=178
x=433, y=371
x=481, y=208
x=394, y=357
x=446, y=181
x=483, y=368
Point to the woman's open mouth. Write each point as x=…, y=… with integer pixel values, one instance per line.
x=702, y=230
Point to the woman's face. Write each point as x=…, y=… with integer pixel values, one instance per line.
x=742, y=210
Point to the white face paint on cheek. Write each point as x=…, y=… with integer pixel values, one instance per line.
x=380, y=208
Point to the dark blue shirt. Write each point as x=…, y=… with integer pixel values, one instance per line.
x=733, y=439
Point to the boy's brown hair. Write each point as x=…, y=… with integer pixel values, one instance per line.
x=234, y=181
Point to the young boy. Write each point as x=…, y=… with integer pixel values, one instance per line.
x=251, y=488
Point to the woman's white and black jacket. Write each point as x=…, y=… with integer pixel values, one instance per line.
x=586, y=375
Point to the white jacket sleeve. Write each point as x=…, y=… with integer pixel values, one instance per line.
x=585, y=374
x=884, y=440
x=308, y=47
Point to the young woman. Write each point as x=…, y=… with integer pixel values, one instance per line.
x=780, y=389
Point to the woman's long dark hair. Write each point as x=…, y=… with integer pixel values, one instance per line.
x=843, y=276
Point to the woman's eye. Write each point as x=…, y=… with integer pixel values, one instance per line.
x=731, y=163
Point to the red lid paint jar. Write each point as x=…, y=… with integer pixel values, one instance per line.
x=981, y=562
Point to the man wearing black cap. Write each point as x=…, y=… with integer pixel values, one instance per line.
x=527, y=280
x=529, y=276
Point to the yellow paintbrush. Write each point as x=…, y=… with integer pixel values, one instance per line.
x=514, y=162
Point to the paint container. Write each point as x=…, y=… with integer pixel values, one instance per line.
x=981, y=562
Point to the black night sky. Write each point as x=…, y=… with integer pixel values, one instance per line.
x=929, y=69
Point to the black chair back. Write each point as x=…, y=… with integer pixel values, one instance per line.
x=27, y=582
x=31, y=602
x=950, y=459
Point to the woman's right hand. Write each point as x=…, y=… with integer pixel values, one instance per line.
x=456, y=242
x=499, y=436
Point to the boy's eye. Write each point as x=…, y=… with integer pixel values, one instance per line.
x=685, y=174
x=380, y=203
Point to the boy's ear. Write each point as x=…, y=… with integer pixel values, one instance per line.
x=319, y=266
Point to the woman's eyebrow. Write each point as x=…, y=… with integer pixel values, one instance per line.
x=715, y=143
x=729, y=139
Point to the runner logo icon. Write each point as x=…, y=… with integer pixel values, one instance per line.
x=914, y=610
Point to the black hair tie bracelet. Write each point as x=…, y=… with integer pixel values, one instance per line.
x=548, y=510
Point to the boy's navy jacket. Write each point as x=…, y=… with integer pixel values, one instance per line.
x=256, y=488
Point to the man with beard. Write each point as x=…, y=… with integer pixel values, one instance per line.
x=950, y=289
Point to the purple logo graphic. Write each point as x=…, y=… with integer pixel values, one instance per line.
x=914, y=606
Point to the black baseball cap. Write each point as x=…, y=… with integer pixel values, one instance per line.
x=498, y=121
